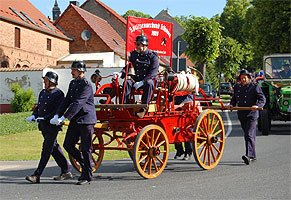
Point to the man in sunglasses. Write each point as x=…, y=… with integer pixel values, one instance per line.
x=146, y=65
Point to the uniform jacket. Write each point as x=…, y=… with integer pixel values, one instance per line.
x=145, y=65
x=247, y=96
x=47, y=106
x=80, y=103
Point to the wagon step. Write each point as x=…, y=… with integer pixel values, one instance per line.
x=97, y=125
x=121, y=106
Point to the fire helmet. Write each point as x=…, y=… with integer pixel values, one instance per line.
x=79, y=65
x=52, y=77
x=142, y=39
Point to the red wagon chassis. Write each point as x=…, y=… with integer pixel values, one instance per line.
x=147, y=140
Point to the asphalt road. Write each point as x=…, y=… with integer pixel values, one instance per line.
x=267, y=178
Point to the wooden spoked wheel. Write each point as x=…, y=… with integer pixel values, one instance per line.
x=151, y=151
x=97, y=153
x=209, y=139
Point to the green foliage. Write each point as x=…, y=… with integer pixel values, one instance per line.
x=270, y=28
x=212, y=75
x=203, y=37
x=231, y=57
x=23, y=100
x=15, y=123
x=233, y=18
x=182, y=20
x=136, y=14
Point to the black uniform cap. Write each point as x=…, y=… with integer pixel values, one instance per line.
x=244, y=71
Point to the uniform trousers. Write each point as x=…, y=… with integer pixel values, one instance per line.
x=180, y=150
x=84, y=132
x=249, y=127
x=148, y=88
x=51, y=147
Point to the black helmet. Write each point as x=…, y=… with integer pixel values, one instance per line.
x=142, y=39
x=79, y=65
x=244, y=71
x=52, y=77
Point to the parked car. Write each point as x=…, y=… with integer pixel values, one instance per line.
x=225, y=88
x=209, y=92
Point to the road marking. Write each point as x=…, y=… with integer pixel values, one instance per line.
x=228, y=123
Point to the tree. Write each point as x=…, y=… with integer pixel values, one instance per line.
x=203, y=37
x=233, y=18
x=270, y=28
x=136, y=14
x=231, y=57
x=182, y=20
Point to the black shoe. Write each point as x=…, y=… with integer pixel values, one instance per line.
x=178, y=155
x=186, y=157
x=63, y=176
x=33, y=179
x=253, y=159
x=246, y=160
x=83, y=182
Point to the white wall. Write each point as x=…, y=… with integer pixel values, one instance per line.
x=33, y=80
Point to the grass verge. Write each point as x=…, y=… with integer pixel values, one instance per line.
x=28, y=145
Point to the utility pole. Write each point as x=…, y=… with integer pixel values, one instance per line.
x=178, y=49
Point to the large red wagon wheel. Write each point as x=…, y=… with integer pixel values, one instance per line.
x=97, y=152
x=209, y=139
x=151, y=151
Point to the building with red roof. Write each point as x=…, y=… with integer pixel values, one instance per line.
x=28, y=38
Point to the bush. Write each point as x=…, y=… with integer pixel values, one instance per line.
x=15, y=123
x=23, y=101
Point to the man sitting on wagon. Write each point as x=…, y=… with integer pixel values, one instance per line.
x=146, y=65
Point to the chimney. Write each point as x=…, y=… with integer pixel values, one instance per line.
x=76, y=3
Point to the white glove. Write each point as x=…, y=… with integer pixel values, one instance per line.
x=117, y=75
x=54, y=120
x=61, y=120
x=39, y=119
x=30, y=118
x=138, y=84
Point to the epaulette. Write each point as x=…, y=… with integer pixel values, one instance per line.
x=156, y=53
x=86, y=81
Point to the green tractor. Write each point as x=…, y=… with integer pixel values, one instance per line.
x=277, y=89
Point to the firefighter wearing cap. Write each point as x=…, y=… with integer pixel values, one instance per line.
x=248, y=94
x=78, y=106
x=146, y=65
x=46, y=108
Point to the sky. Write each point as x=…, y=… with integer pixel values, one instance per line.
x=197, y=8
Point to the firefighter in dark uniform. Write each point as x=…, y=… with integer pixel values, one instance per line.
x=43, y=112
x=146, y=65
x=78, y=106
x=248, y=94
x=179, y=102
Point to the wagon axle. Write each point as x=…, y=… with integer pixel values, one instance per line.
x=154, y=151
x=211, y=139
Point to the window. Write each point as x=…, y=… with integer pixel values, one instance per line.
x=28, y=18
x=48, y=26
x=17, y=37
x=18, y=14
x=48, y=44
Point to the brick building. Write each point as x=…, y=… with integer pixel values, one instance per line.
x=28, y=39
x=94, y=39
x=99, y=9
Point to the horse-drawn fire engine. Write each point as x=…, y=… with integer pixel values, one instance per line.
x=147, y=139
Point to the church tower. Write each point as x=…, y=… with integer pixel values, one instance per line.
x=56, y=11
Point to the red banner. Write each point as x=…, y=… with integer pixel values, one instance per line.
x=159, y=34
